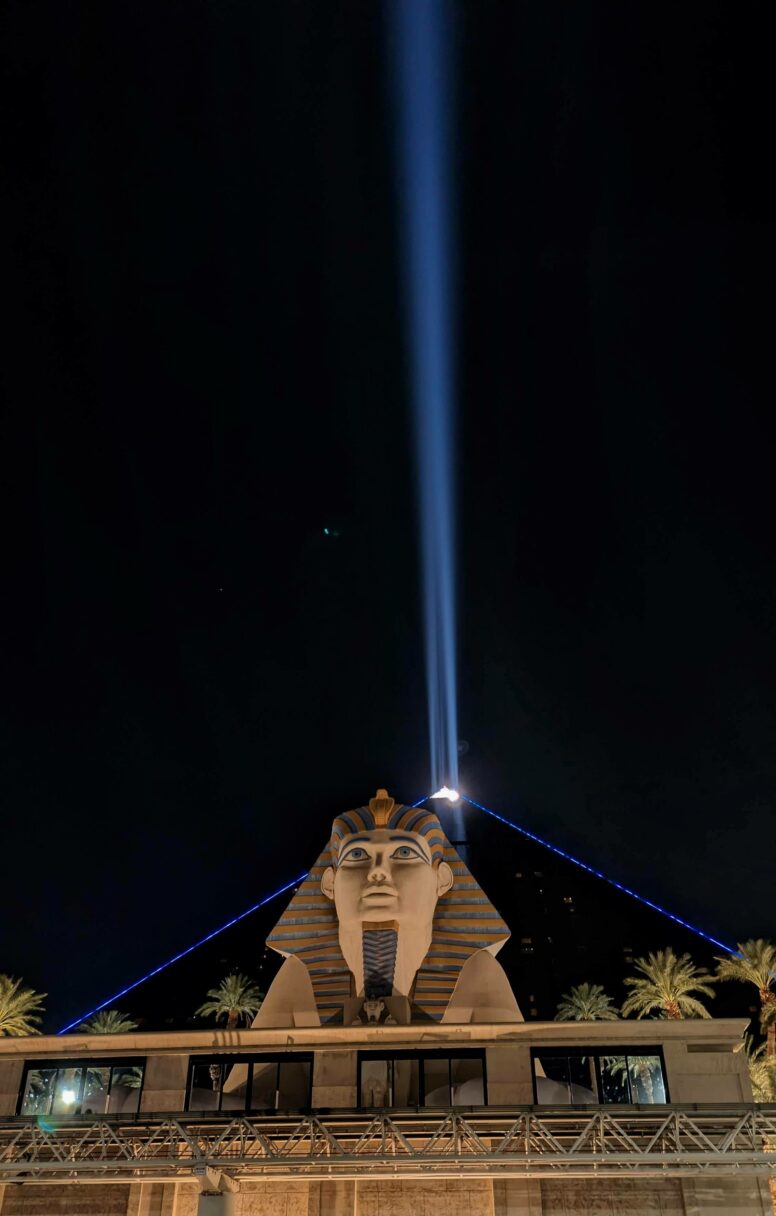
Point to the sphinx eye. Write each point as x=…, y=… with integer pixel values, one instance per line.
x=405, y=852
x=356, y=854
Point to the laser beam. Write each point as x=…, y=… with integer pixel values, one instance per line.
x=420, y=38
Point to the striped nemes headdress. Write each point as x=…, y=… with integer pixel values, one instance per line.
x=383, y=812
x=465, y=920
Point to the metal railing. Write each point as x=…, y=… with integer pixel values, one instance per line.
x=494, y=1142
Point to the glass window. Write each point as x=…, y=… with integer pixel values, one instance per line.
x=376, y=1088
x=96, y=1091
x=436, y=1082
x=565, y=1080
x=588, y=1077
x=67, y=1091
x=39, y=1091
x=406, y=1083
x=126, y=1081
x=240, y=1083
x=265, y=1085
x=97, y=1087
x=646, y=1079
x=467, y=1082
x=418, y=1079
x=205, y=1087
x=615, y=1081
x=293, y=1084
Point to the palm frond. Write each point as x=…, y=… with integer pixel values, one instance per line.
x=108, y=1021
x=235, y=997
x=666, y=983
x=20, y=1008
x=754, y=963
x=586, y=1003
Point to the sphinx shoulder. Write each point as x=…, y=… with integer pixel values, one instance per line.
x=290, y=1000
x=483, y=993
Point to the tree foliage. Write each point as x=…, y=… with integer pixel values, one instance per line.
x=762, y=1070
x=20, y=1008
x=108, y=1021
x=666, y=985
x=755, y=963
x=235, y=997
x=586, y=1003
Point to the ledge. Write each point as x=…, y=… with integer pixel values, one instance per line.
x=725, y=1033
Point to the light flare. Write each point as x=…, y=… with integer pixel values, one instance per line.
x=450, y=795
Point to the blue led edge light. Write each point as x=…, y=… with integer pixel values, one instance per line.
x=130, y=987
x=117, y=995
x=597, y=873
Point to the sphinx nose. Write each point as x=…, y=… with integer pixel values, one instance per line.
x=378, y=872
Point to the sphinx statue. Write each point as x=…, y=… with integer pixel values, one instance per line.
x=389, y=925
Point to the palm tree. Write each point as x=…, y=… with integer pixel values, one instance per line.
x=234, y=998
x=762, y=1070
x=108, y=1021
x=586, y=1003
x=665, y=985
x=20, y=1008
x=755, y=963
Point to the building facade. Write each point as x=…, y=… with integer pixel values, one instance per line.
x=482, y=1120
x=389, y=1072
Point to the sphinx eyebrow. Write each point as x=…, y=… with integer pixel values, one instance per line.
x=355, y=840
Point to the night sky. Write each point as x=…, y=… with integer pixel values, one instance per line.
x=205, y=366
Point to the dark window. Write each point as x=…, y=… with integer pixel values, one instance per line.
x=94, y=1087
x=609, y=1077
x=421, y=1079
x=249, y=1083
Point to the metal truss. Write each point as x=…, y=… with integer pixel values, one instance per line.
x=500, y=1143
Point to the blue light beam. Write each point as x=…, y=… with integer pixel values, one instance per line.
x=420, y=38
x=597, y=873
x=117, y=995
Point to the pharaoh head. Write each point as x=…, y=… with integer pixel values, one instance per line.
x=387, y=865
x=386, y=876
x=388, y=909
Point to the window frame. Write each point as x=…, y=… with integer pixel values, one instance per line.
x=597, y=1054
x=62, y=1063
x=421, y=1056
x=270, y=1057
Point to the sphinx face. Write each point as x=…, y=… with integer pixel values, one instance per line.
x=387, y=876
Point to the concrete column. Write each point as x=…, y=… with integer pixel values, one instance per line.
x=217, y=1205
x=336, y=1198
x=517, y=1197
x=726, y=1196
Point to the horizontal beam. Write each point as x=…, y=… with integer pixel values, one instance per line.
x=516, y=1144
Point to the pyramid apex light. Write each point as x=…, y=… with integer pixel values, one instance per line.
x=445, y=792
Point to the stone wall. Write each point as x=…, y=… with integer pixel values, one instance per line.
x=710, y=1075
x=10, y=1083
x=55, y=1200
x=437, y=1197
x=702, y=1196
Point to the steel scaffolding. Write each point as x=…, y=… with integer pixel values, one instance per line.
x=503, y=1142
